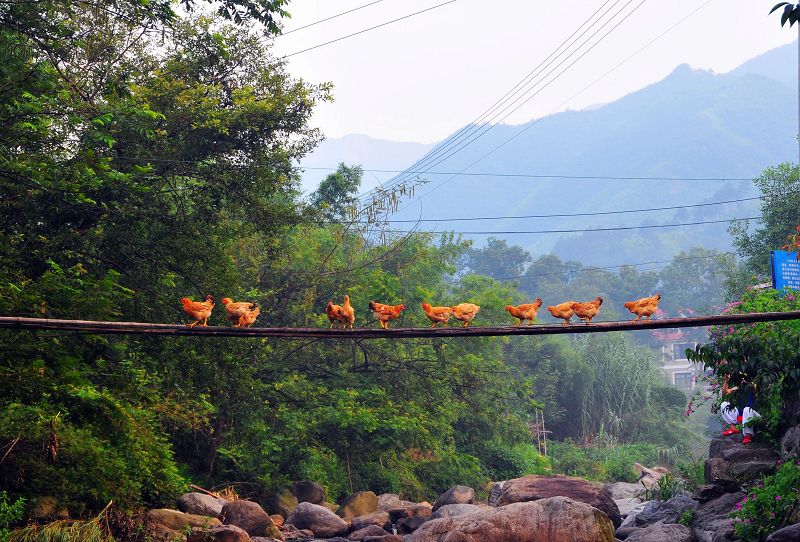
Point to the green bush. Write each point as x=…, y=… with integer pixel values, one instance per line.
x=10, y=513
x=503, y=461
x=768, y=506
x=612, y=462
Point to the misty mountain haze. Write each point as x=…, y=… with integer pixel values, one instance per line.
x=691, y=124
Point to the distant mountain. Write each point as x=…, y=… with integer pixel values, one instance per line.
x=691, y=124
x=357, y=149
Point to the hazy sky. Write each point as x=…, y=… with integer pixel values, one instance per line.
x=424, y=77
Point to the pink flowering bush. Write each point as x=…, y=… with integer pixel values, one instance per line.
x=768, y=506
x=763, y=357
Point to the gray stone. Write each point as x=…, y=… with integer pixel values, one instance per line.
x=384, y=538
x=711, y=519
x=494, y=492
x=408, y=511
x=787, y=534
x=624, y=532
x=371, y=530
x=409, y=525
x=221, y=533
x=251, y=517
x=318, y=519
x=662, y=533
x=718, y=472
x=624, y=490
x=201, y=504
x=629, y=506
x=707, y=492
x=389, y=500
x=720, y=445
x=452, y=510
x=358, y=504
x=656, y=512
x=281, y=502
x=790, y=443
x=455, y=495
x=308, y=491
x=380, y=519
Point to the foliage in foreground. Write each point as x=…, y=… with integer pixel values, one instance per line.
x=769, y=505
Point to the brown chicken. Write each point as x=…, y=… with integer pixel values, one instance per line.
x=199, y=310
x=646, y=306
x=465, y=312
x=343, y=314
x=236, y=309
x=248, y=318
x=384, y=313
x=526, y=311
x=437, y=314
x=564, y=311
x=587, y=311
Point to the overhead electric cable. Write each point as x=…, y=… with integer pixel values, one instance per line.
x=606, y=74
x=368, y=29
x=475, y=124
x=327, y=19
x=583, y=230
x=535, y=176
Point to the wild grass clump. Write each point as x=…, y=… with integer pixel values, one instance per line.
x=92, y=530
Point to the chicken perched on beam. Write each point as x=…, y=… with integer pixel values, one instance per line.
x=565, y=311
x=526, y=311
x=199, y=310
x=587, y=311
x=248, y=318
x=385, y=313
x=343, y=314
x=437, y=315
x=236, y=309
x=646, y=306
x=465, y=312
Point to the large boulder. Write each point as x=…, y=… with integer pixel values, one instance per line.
x=358, y=504
x=371, y=530
x=380, y=519
x=409, y=525
x=495, y=490
x=629, y=506
x=201, y=504
x=281, y=502
x=624, y=490
x=790, y=443
x=787, y=534
x=556, y=519
x=648, y=477
x=670, y=511
x=219, y=533
x=453, y=510
x=535, y=487
x=389, y=500
x=662, y=533
x=409, y=510
x=47, y=508
x=308, y=491
x=179, y=521
x=455, y=495
x=321, y=521
x=711, y=521
x=251, y=517
x=290, y=532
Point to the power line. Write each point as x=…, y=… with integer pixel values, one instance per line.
x=328, y=18
x=532, y=124
x=620, y=228
x=470, y=127
x=367, y=29
x=564, y=215
x=483, y=129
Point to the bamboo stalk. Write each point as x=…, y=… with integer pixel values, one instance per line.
x=143, y=328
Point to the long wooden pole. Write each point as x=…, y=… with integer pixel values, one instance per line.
x=142, y=328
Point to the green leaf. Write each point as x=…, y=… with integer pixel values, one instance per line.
x=777, y=6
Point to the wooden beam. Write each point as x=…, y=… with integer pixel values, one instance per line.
x=141, y=328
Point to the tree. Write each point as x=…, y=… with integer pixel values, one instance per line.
x=336, y=197
x=497, y=259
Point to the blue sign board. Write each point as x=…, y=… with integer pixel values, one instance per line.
x=785, y=270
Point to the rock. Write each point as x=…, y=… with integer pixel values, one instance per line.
x=44, y=507
x=495, y=489
x=556, y=519
x=751, y=471
x=455, y=495
x=319, y=519
x=624, y=532
x=281, y=502
x=662, y=533
x=409, y=525
x=308, y=491
x=265, y=539
x=717, y=472
x=290, y=532
x=201, y=504
x=624, y=490
x=535, y=487
x=332, y=506
x=384, y=538
x=707, y=492
x=629, y=506
x=787, y=534
x=648, y=477
x=277, y=519
x=720, y=445
x=670, y=511
x=251, y=517
x=178, y=521
x=358, y=504
x=220, y=533
x=711, y=519
x=389, y=500
x=755, y=451
x=453, y=510
x=409, y=511
x=380, y=519
x=371, y=530
x=790, y=443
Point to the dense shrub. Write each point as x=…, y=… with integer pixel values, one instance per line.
x=769, y=505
